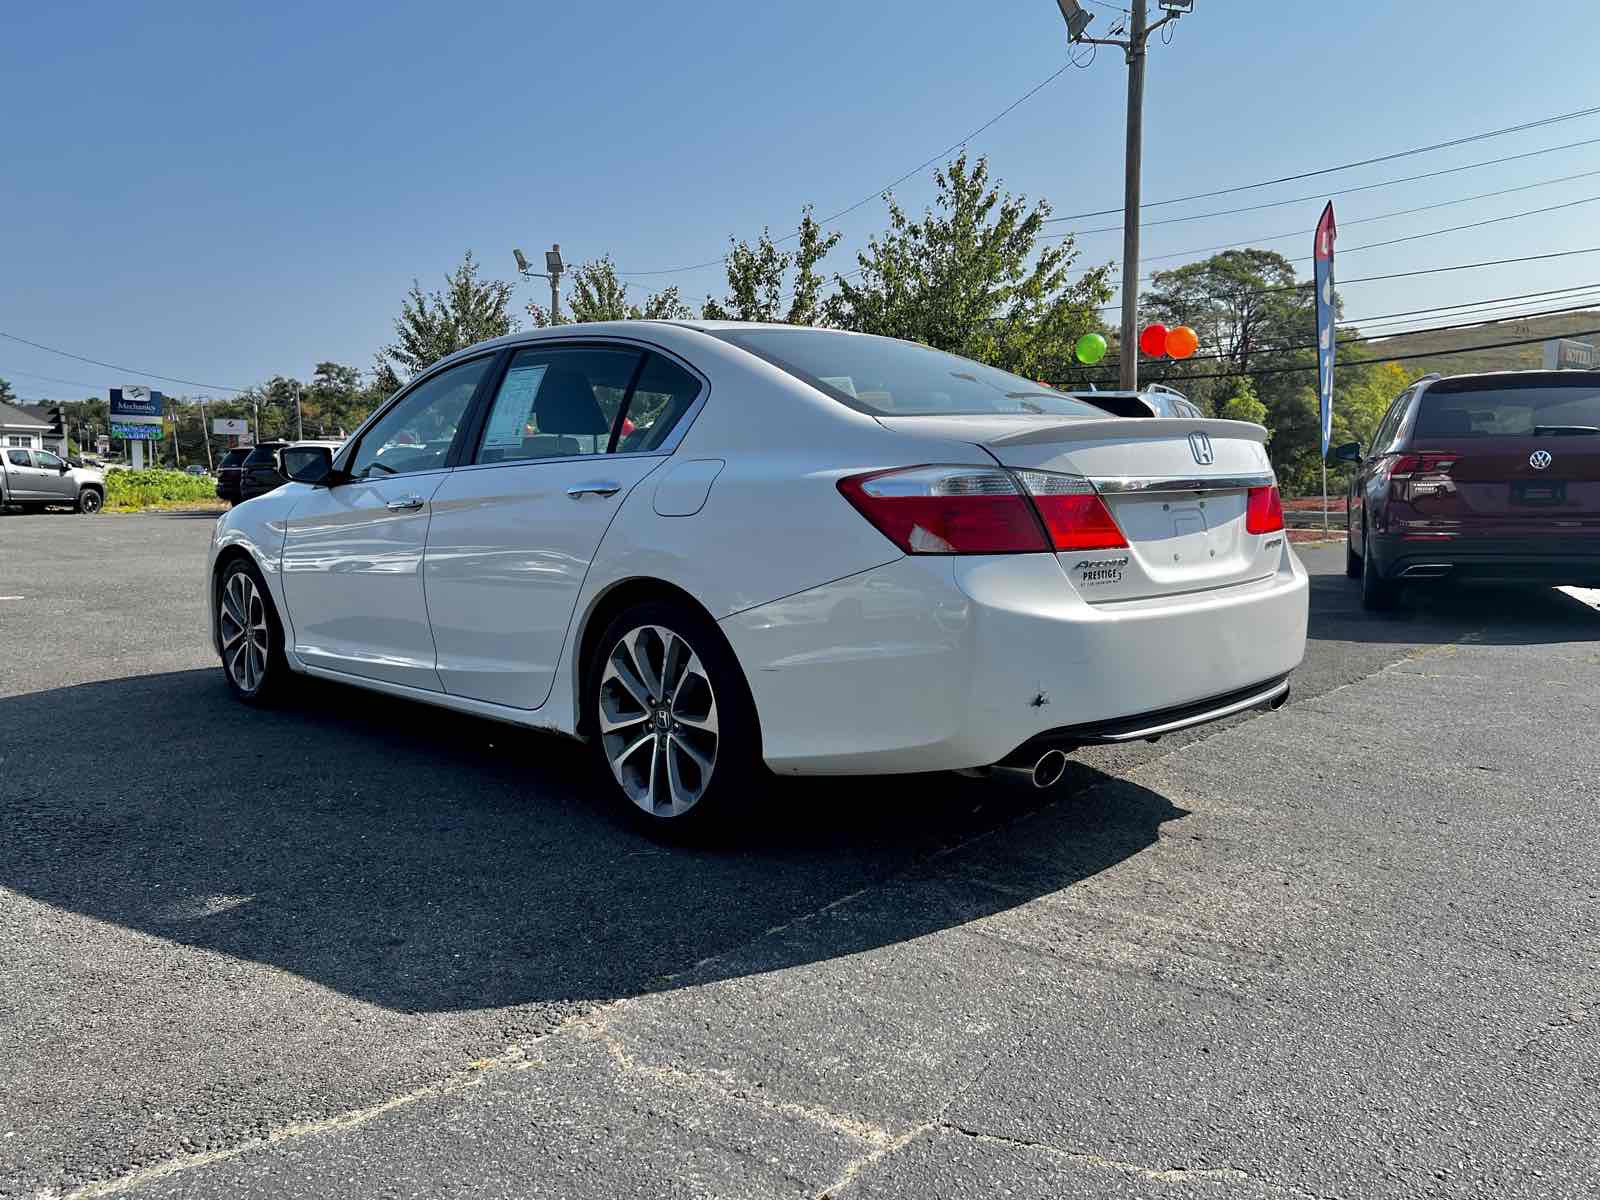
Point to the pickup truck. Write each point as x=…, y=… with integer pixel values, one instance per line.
x=33, y=479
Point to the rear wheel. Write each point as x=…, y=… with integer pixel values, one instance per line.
x=250, y=634
x=672, y=717
x=1352, y=560
x=90, y=501
x=1377, y=593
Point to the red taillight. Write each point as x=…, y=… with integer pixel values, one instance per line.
x=947, y=510
x=1074, y=515
x=1264, y=511
x=981, y=510
x=1406, y=465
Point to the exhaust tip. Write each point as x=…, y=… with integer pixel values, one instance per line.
x=1279, y=700
x=1426, y=571
x=1047, y=772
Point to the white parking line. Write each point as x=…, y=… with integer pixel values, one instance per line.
x=10, y=597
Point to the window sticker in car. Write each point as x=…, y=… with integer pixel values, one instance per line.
x=513, y=407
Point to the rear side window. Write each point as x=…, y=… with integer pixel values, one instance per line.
x=1544, y=410
x=235, y=458
x=665, y=392
x=886, y=377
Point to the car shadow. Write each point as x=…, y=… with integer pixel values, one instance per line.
x=1439, y=613
x=426, y=861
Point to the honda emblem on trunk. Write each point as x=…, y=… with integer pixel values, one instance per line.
x=1200, y=446
x=1540, y=460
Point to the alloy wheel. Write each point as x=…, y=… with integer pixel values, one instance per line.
x=658, y=720
x=89, y=502
x=245, y=636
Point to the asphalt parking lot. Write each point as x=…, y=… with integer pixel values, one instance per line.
x=358, y=947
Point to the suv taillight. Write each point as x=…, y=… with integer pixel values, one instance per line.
x=1413, y=476
x=1263, y=510
x=982, y=510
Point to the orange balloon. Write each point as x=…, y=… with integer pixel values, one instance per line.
x=1182, y=341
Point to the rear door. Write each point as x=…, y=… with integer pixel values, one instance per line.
x=1178, y=488
x=1505, y=458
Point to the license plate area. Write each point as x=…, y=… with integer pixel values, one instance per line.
x=1541, y=494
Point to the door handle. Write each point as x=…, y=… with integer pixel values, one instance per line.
x=404, y=503
x=599, y=487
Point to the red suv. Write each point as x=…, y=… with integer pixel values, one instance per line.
x=1491, y=477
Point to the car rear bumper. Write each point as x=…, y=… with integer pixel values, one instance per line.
x=931, y=664
x=1536, y=561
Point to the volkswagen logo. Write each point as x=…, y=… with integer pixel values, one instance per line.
x=1539, y=460
x=1200, y=447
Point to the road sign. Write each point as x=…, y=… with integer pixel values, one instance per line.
x=1564, y=354
x=230, y=426
x=136, y=400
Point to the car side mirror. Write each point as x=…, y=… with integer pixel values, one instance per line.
x=306, y=464
x=62, y=469
x=1350, y=452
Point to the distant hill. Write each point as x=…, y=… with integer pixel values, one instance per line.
x=1511, y=358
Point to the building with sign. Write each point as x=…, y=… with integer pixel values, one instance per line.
x=1566, y=354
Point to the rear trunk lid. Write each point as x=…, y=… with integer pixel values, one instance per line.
x=1177, y=488
x=1504, y=456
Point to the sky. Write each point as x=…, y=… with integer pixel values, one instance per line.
x=225, y=192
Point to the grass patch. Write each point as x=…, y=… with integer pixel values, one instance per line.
x=156, y=486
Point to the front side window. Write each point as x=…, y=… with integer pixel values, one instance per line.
x=416, y=434
x=18, y=458
x=46, y=460
x=886, y=377
x=557, y=403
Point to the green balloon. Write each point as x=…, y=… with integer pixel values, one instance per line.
x=1091, y=348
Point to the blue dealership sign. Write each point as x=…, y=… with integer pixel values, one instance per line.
x=135, y=400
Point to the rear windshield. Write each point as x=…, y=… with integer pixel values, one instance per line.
x=886, y=377
x=262, y=454
x=1543, y=410
x=235, y=458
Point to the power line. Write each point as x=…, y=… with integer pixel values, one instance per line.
x=219, y=387
x=1367, y=362
x=1365, y=162
x=1404, y=212
x=50, y=378
x=846, y=211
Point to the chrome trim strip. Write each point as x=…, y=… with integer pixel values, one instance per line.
x=1156, y=484
x=1215, y=714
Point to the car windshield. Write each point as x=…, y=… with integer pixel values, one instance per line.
x=886, y=377
x=1546, y=409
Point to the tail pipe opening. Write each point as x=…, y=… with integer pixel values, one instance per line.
x=1044, y=773
x=1426, y=571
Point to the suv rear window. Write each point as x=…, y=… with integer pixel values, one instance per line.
x=1495, y=409
x=886, y=377
x=234, y=458
x=263, y=454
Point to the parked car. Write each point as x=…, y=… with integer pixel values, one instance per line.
x=196, y=469
x=1494, y=476
x=228, y=471
x=260, y=473
x=1157, y=400
x=36, y=479
x=824, y=552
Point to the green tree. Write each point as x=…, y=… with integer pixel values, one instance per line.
x=757, y=276
x=974, y=276
x=1241, y=404
x=7, y=396
x=336, y=401
x=599, y=295
x=431, y=325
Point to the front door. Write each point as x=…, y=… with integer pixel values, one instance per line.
x=572, y=430
x=54, y=482
x=352, y=552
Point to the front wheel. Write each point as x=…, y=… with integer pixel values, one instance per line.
x=250, y=635
x=672, y=717
x=90, y=501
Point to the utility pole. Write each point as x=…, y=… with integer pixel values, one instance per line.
x=1133, y=49
x=299, y=427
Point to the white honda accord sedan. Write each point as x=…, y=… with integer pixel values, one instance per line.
x=705, y=547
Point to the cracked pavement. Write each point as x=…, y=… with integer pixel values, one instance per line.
x=355, y=947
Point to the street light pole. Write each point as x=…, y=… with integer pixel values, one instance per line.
x=1133, y=48
x=553, y=267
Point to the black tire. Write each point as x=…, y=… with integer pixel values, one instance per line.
x=1377, y=593
x=652, y=796
x=262, y=678
x=1352, y=560
x=90, y=500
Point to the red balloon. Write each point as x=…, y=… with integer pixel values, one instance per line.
x=1153, y=341
x=1182, y=341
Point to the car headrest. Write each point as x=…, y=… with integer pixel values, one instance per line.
x=566, y=404
x=1449, y=421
